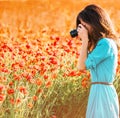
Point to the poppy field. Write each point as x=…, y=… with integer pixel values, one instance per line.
x=38, y=58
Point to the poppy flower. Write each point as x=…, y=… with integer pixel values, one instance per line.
x=45, y=77
x=30, y=105
x=2, y=97
x=35, y=98
x=23, y=90
x=18, y=100
x=1, y=88
x=48, y=84
x=12, y=101
x=38, y=82
x=10, y=91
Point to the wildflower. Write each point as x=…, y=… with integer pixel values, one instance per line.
x=30, y=105
x=10, y=91
x=5, y=70
x=119, y=62
x=54, y=76
x=35, y=98
x=21, y=64
x=29, y=77
x=16, y=77
x=28, y=46
x=1, y=88
x=45, y=77
x=18, y=101
x=72, y=73
x=43, y=58
x=48, y=84
x=10, y=83
x=38, y=82
x=53, y=60
x=39, y=90
x=85, y=82
x=12, y=101
x=2, y=97
x=23, y=90
x=69, y=43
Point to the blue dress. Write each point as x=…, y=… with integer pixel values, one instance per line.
x=102, y=62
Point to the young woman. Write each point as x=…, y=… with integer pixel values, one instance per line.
x=99, y=53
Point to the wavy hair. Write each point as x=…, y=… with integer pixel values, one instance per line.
x=100, y=22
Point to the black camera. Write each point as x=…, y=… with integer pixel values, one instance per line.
x=73, y=33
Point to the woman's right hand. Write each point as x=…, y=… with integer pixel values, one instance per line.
x=82, y=33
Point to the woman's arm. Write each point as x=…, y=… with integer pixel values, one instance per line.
x=83, y=35
x=83, y=56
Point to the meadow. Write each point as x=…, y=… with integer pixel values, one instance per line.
x=38, y=58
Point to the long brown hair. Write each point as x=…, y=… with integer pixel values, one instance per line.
x=100, y=22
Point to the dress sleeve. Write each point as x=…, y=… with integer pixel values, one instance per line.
x=99, y=54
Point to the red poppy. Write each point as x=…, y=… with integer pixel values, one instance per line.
x=38, y=82
x=2, y=55
x=42, y=71
x=2, y=97
x=85, y=82
x=30, y=105
x=10, y=91
x=48, y=84
x=28, y=46
x=5, y=70
x=35, y=98
x=23, y=90
x=43, y=58
x=72, y=73
x=119, y=62
x=29, y=77
x=17, y=77
x=18, y=100
x=54, y=76
x=21, y=64
x=53, y=62
x=39, y=90
x=1, y=88
x=45, y=77
x=12, y=101
x=69, y=43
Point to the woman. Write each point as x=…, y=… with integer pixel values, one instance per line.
x=99, y=53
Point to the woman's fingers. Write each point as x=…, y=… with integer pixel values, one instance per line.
x=82, y=31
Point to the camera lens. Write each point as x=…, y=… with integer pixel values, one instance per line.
x=73, y=33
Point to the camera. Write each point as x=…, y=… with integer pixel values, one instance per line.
x=73, y=33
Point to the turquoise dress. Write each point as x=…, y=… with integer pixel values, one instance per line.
x=102, y=62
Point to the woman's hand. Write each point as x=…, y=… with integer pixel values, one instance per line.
x=82, y=33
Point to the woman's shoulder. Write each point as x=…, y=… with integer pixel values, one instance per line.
x=108, y=43
x=104, y=41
